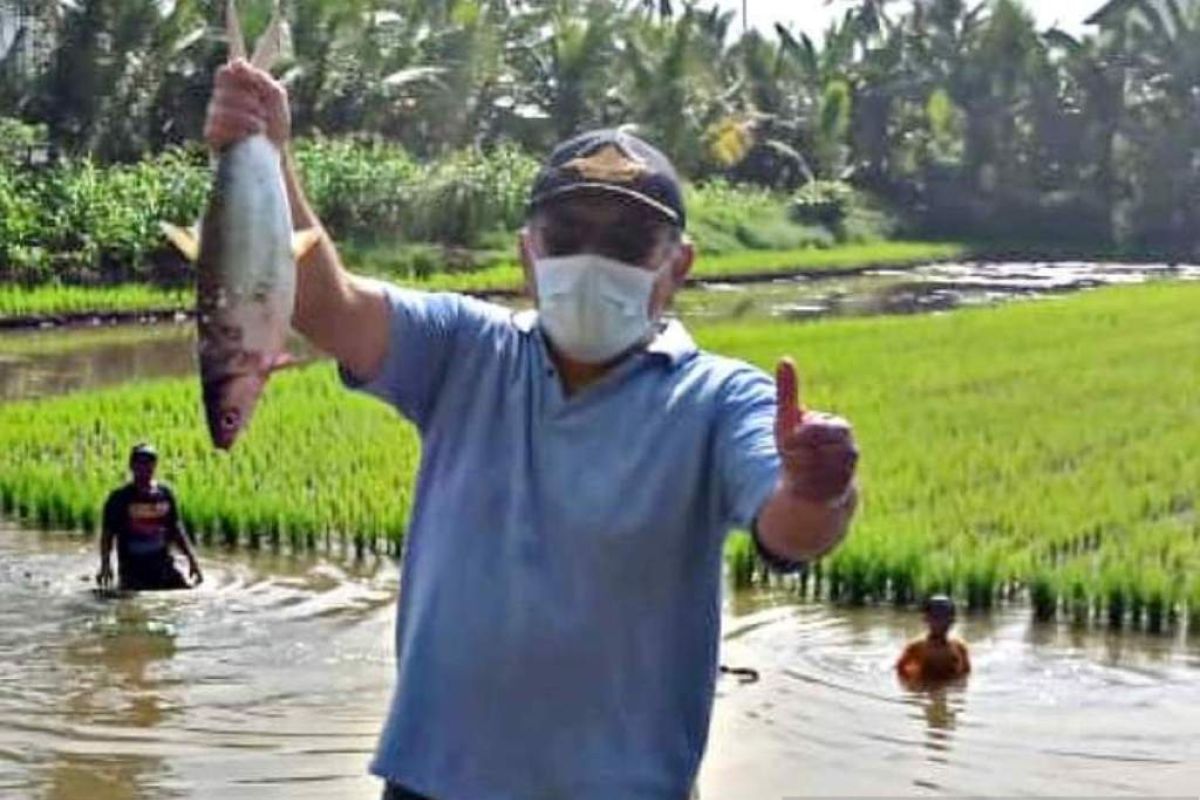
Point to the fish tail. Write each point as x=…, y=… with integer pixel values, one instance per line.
x=233, y=32
x=274, y=41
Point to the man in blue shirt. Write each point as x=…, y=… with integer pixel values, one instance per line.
x=581, y=465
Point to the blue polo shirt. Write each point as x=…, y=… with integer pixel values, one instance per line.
x=560, y=592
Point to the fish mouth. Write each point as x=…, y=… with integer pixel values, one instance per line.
x=228, y=403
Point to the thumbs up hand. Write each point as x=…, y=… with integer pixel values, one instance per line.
x=817, y=450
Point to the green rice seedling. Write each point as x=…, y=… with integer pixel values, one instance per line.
x=1193, y=607
x=55, y=300
x=1043, y=595
x=1115, y=595
x=980, y=582
x=741, y=560
x=904, y=581
x=1075, y=590
x=1159, y=599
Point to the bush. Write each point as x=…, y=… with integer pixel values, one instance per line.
x=723, y=218
x=824, y=203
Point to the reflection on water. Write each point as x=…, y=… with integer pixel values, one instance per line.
x=54, y=362
x=113, y=657
x=259, y=685
x=43, y=363
x=936, y=287
x=271, y=681
x=1047, y=710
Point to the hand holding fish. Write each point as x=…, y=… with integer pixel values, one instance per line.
x=244, y=248
x=817, y=450
x=246, y=100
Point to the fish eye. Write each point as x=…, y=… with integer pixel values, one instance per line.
x=230, y=419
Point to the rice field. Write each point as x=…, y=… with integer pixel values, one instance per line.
x=321, y=467
x=1046, y=451
x=1050, y=448
x=62, y=300
x=59, y=300
x=509, y=277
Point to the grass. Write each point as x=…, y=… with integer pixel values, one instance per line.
x=868, y=254
x=1045, y=448
x=55, y=300
x=507, y=276
x=500, y=276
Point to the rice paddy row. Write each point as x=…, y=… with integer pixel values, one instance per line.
x=54, y=300
x=59, y=300
x=1044, y=450
x=322, y=466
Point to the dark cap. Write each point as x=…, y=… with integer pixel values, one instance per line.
x=939, y=605
x=614, y=161
x=143, y=450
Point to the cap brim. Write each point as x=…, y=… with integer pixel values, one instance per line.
x=605, y=188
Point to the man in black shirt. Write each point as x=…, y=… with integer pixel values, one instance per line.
x=143, y=519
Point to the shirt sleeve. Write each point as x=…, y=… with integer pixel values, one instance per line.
x=747, y=456
x=747, y=461
x=424, y=329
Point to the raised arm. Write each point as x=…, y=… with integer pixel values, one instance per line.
x=343, y=314
x=814, y=500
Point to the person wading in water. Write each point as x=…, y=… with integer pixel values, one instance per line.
x=142, y=519
x=935, y=658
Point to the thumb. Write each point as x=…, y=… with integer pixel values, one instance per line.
x=789, y=412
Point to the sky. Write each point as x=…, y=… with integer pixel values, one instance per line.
x=814, y=16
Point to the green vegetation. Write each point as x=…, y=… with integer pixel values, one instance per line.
x=58, y=300
x=412, y=266
x=746, y=263
x=968, y=116
x=1046, y=448
x=449, y=223
x=63, y=456
x=81, y=222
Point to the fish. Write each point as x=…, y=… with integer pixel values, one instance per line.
x=245, y=252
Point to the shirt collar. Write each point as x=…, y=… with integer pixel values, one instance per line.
x=672, y=342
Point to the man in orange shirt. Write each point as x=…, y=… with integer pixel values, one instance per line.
x=937, y=658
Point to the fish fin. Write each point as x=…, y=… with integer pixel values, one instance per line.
x=273, y=44
x=305, y=240
x=187, y=242
x=233, y=32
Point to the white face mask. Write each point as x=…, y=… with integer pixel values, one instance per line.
x=593, y=308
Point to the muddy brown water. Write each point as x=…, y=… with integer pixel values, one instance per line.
x=271, y=680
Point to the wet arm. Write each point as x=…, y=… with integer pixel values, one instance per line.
x=108, y=531
x=909, y=664
x=179, y=536
x=106, y=543
x=342, y=314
